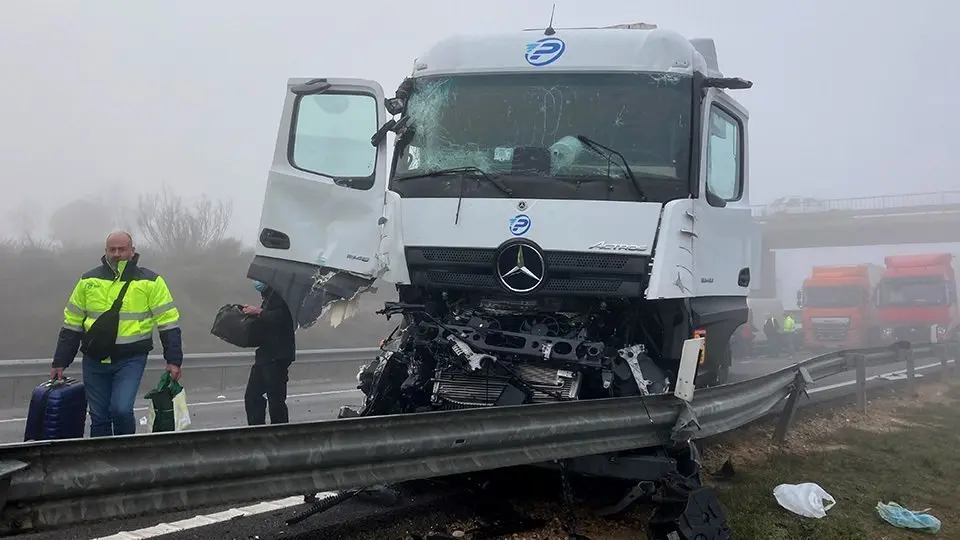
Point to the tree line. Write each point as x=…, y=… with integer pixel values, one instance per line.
x=185, y=242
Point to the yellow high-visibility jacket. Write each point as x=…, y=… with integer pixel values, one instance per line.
x=788, y=324
x=147, y=303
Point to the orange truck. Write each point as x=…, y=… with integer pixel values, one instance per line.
x=837, y=307
x=917, y=298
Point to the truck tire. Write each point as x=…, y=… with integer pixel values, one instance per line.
x=722, y=373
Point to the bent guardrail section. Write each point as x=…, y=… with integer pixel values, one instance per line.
x=60, y=483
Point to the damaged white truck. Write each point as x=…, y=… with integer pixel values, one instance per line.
x=562, y=210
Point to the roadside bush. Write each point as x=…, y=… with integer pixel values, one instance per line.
x=186, y=244
x=38, y=281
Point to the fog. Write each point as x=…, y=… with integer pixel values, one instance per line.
x=106, y=101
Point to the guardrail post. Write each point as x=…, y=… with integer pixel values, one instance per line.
x=944, y=354
x=860, y=362
x=800, y=382
x=906, y=355
x=953, y=353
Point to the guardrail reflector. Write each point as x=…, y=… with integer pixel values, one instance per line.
x=701, y=333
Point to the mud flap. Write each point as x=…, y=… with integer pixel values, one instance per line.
x=311, y=291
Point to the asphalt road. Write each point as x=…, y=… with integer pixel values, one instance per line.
x=210, y=410
x=307, y=403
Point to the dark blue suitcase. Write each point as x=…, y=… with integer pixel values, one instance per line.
x=58, y=410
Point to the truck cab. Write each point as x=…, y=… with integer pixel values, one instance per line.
x=837, y=307
x=917, y=298
x=563, y=208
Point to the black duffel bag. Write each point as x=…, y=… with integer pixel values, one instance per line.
x=236, y=327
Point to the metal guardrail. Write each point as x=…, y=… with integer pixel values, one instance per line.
x=205, y=371
x=60, y=483
x=221, y=359
x=883, y=202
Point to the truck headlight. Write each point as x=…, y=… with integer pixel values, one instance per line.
x=887, y=332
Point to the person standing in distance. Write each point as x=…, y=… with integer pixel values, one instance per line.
x=271, y=365
x=113, y=383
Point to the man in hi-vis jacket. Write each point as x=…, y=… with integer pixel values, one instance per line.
x=112, y=384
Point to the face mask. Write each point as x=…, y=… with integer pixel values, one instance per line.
x=259, y=286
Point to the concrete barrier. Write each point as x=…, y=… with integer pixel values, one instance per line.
x=204, y=371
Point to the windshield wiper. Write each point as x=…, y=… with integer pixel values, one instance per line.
x=595, y=146
x=460, y=170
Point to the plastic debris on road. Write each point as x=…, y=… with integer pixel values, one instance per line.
x=804, y=499
x=899, y=516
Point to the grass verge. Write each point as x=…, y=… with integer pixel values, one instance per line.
x=902, y=450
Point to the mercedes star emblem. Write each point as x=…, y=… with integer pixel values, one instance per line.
x=520, y=267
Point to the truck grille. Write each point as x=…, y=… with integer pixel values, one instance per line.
x=831, y=331
x=568, y=273
x=554, y=259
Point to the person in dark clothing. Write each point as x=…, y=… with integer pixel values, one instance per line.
x=772, y=331
x=743, y=340
x=271, y=366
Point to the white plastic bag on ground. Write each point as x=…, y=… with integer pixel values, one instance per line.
x=804, y=499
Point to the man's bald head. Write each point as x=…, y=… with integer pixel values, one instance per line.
x=119, y=247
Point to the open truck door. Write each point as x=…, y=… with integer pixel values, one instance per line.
x=320, y=226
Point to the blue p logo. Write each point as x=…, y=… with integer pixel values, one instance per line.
x=520, y=224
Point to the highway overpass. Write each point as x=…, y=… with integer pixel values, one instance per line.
x=921, y=218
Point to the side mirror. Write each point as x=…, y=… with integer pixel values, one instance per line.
x=389, y=125
x=715, y=200
x=799, y=298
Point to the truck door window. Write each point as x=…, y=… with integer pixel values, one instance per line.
x=724, y=159
x=330, y=136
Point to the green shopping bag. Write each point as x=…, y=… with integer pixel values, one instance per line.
x=169, y=411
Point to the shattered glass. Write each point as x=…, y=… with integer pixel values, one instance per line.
x=528, y=124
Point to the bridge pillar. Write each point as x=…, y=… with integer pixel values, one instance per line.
x=766, y=279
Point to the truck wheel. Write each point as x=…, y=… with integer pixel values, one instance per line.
x=722, y=375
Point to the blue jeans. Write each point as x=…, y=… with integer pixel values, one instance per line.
x=111, y=393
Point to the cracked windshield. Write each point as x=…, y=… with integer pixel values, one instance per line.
x=533, y=125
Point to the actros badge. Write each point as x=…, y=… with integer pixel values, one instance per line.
x=601, y=245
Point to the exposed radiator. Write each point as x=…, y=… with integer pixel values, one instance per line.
x=457, y=389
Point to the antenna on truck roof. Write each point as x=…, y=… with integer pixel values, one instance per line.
x=549, y=31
